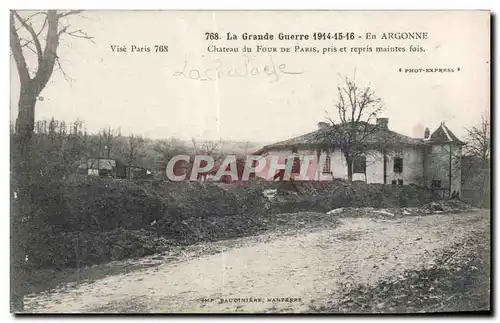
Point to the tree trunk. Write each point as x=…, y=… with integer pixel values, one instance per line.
x=25, y=123
x=21, y=206
x=348, y=160
x=131, y=156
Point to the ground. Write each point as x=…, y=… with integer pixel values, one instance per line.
x=334, y=268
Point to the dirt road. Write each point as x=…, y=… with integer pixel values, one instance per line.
x=273, y=272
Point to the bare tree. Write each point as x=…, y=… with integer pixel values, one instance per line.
x=169, y=147
x=77, y=127
x=355, y=106
x=135, y=143
x=106, y=141
x=210, y=147
x=43, y=42
x=193, y=141
x=26, y=38
x=166, y=149
x=478, y=141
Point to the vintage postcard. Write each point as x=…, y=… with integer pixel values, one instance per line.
x=250, y=161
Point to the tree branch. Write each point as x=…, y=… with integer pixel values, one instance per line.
x=354, y=104
x=48, y=61
x=80, y=34
x=479, y=140
x=28, y=46
x=71, y=12
x=17, y=52
x=33, y=34
x=68, y=78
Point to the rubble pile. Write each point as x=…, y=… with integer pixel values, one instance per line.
x=435, y=207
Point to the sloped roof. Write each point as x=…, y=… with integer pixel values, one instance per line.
x=376, y=137
x=443, y=135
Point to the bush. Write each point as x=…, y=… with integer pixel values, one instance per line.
x=94, y=205
x=67, y=249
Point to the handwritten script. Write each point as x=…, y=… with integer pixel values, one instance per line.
x=249, y=67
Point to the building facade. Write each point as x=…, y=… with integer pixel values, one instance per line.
x=432, y=161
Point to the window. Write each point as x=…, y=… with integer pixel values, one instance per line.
x=436, y=183
x=295, y=150
x=326, y=166
x=393, y=182
x=400, y=182
x=398, y=165
x=359, y=165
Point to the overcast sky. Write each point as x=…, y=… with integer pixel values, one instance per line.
x=139, y=92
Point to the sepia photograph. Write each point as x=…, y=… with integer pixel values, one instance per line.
x=250, y=162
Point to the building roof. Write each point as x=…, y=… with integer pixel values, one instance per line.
x=376, y=137
x=443, y=135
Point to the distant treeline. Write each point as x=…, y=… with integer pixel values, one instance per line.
x=59, y=146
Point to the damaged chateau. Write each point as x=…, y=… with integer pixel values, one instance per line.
x=433, y=161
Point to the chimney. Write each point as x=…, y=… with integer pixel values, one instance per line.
x=383, y=123
x=427, y=133
x=322, y=125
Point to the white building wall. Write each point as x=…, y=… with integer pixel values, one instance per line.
x=438, y=166
x=413, y=163
x=413, y=166
x=374, y=167
x=338, y=164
